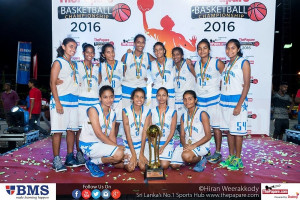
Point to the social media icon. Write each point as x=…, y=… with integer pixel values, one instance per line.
x=96, y=194
x=105, y=194
x=76, y=194
x=86, y=194
x=115, y=194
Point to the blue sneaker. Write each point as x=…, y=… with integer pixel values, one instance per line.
x=80, y=158
x=71, y=161
x=94, y=169
x=57, y=165
x=217, y=157
x=200, y=166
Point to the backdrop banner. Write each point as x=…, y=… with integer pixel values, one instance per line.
x=178, y=23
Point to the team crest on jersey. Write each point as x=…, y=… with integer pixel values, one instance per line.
x=10, y=189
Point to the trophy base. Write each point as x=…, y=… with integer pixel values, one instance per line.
x=154, y=174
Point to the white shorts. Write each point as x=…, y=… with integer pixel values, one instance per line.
x=212, y=107
x=60, y=123
x=198, y=151
x=181, y=109
x=237, y=125
x=137, y=152
x=117, y=107
x=82, y=114
x=167, y=153
x=97, y=150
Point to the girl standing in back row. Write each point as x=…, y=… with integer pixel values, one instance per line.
x=163, y=73
x=64, y=103
x=234, y=102
x=208, y=72
x=136, y=64
x=88, y=90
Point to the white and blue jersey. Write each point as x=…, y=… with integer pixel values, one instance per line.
x=166, y=81
x=88, y=90
x=136, y=135
x=131, y=80
x=116, y=81
x=230, y=95
x=208, y=89
x=87, y=132
x=168, y=151
x=68, y=96
x=185, y=81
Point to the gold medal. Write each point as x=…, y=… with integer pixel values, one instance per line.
x=190, y=141
x=138, y=76
x=89, y=89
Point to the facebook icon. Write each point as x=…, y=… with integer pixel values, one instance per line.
x=76, y=194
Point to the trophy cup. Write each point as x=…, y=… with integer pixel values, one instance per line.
x=153, y=169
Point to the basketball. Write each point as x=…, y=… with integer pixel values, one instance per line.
x=121, y=12
x=145, y=5
x=257, y=11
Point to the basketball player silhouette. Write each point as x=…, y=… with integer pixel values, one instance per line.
x=170, y=38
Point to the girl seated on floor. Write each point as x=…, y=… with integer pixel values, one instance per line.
x=165, y=118
x=136, y=120
x=97, y=139
x=195, y=135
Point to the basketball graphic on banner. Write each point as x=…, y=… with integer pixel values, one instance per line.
x=121, y=12
x=257, y=11
x=145, y=5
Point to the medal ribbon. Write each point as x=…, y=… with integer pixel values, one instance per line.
x=227, y=71
x=189, y=126
x=137, y=126
x=109, y=77
x=89, y=78
x=162, y=73
x=138, y=67
x=203, y=69
x=162, y=117
x=72, y=67
x=182, y=62
x=106, y=119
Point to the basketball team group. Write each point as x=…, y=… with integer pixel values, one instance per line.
x=91, y=103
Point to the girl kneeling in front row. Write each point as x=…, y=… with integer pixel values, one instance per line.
x=136, y=120
x=195, y=135
x=165, y=118
x=97, y=139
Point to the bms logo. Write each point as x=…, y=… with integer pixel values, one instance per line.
x=10, y=189
x=27, y=189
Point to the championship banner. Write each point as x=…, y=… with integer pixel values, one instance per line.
x=178, y=23
x=23, y=62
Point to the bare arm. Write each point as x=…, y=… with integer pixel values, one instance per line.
x=192, y=69
x=112, y=136
x=127, y=133
x=144, y=134
x=53, y=79
x=182, y=133
x=246, y=86
x=31, y=107
x=221, y=66
x=125, y=67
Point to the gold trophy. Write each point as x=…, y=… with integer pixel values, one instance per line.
x=153, y=169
